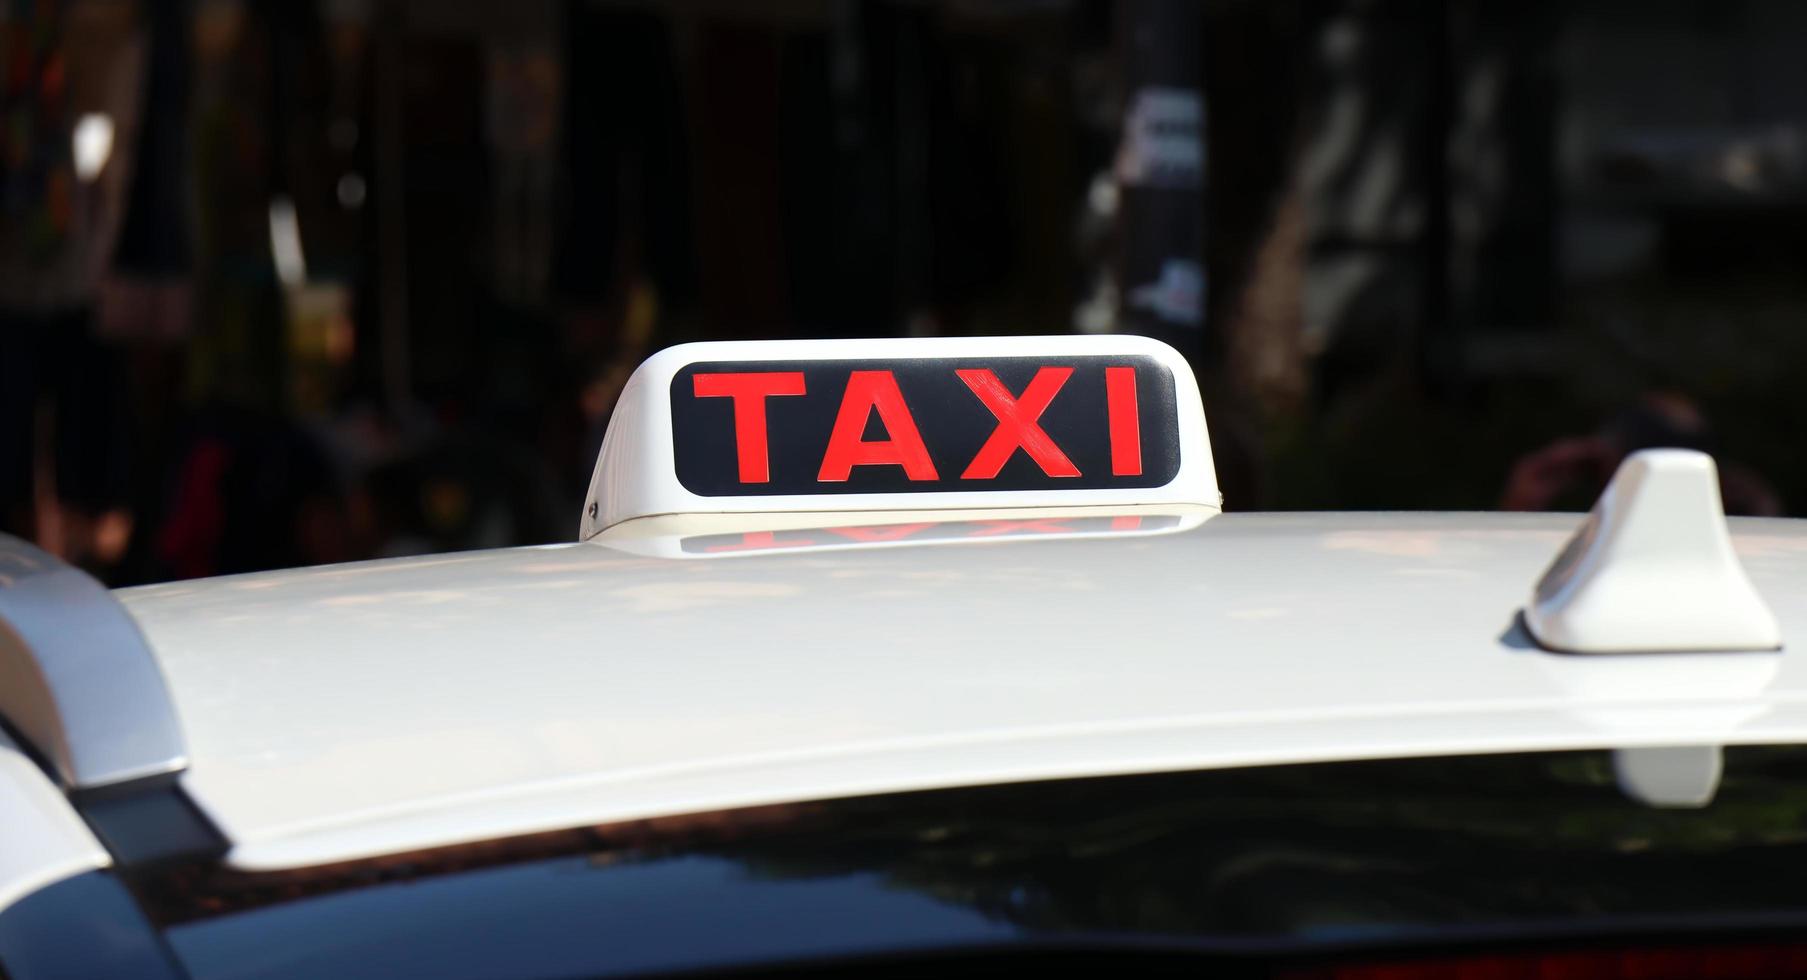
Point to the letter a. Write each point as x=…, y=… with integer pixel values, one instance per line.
x=868, y=391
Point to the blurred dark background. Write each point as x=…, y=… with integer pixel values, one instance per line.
x=287, y=283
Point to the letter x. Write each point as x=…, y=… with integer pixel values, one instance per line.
x=1017, y=423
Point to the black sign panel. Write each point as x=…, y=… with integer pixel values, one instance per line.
x=901, y=426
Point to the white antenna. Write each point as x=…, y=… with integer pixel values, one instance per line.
x=1652, y=569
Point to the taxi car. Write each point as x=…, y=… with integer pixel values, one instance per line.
x=928, y=657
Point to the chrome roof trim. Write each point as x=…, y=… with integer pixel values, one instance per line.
x=77, y=680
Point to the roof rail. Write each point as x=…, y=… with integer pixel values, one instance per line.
x=79, y=684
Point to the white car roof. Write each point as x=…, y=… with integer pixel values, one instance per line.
x=341, y=712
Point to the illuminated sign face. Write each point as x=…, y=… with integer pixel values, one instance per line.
x=957, y=424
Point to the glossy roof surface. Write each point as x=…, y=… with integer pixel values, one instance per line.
x=346, y=711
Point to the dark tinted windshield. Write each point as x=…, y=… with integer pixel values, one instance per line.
x=1276, y=860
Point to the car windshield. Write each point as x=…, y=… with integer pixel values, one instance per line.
x=1270, y=862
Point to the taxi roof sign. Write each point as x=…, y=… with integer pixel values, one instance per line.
x=905, y=424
